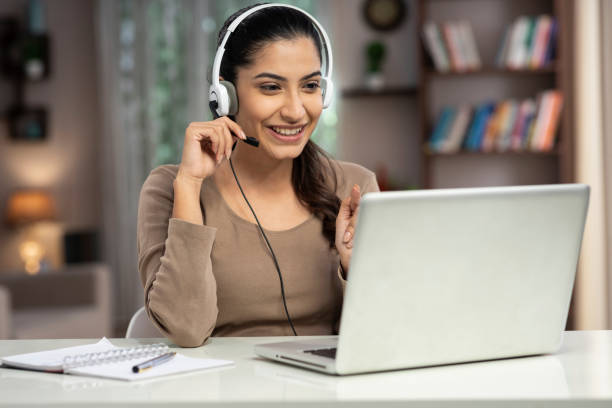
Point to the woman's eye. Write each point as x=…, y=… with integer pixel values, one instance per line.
x=269, y=87
x=312, y=85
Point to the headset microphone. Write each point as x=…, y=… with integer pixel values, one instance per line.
x=249, y=140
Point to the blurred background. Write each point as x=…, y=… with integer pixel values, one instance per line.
x=429, y=94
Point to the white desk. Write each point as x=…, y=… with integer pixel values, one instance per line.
x=579, y=375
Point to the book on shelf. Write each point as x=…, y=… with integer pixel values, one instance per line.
x=509, y=125
x=442, y=127
x=528, y=43
x=452, y=46
x=436, y=47
x=456, y=132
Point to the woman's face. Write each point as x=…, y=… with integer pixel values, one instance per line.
x=279, y=96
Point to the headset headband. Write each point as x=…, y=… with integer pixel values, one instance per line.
x=328, y=60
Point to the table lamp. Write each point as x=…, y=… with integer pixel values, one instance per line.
x=27, y=207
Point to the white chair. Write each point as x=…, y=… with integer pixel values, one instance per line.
x=141, y=327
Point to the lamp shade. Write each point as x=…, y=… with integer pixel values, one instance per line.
x=27, y=206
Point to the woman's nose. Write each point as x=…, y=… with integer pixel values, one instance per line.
x=293, y=108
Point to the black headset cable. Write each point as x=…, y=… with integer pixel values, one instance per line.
x=280, y=276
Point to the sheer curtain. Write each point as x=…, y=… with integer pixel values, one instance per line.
x=606, y=47
x=154, y=56
x=593, y=139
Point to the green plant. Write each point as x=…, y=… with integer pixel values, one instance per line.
x=375, y=52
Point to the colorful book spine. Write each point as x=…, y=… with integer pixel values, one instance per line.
x=552, y=43
x=526, y=110
x=441, y=129
x=504, y=140
x=492, y=132
x=468, y=142
x=483, y=125
x=435, y=46
x=458, y=130
x=528, y=43
x=517, y=52
x=454, y=47
x=552, y=120
x=502, y=53
x=542, y=38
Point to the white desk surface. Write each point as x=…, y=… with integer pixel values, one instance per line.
x=580, y=374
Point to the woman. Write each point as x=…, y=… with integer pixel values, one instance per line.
x=205, y=266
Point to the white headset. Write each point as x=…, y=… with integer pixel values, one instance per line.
x=222, y=94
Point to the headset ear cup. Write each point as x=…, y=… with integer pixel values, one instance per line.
x=232, y=97
x=219, y=95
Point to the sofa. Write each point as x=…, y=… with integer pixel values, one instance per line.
x=74, y=302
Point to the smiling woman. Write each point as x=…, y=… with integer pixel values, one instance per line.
x=206, y=260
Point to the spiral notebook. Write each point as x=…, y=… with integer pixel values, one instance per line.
x=105, y=360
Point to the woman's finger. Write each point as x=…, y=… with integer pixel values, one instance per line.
x=229, y=141
x=222, y=144
x=348, y=233
x=355, y=197
x=345, y=209
x=214, y=142
x=234, y=127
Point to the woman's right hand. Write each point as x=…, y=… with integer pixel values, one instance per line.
x=206, y=144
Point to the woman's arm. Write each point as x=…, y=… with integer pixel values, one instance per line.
x=174, y=259
x=186, y=205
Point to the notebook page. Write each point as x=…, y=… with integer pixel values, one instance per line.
x=123, y=370
x=52, y=360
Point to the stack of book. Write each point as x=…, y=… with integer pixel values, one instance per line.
x=528, y=43
x=528, y=125
x=451, y=46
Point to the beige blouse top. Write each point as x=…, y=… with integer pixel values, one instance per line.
x=219, y=278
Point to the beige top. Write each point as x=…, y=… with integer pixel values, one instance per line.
x=219, y=278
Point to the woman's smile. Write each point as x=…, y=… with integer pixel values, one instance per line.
x=286, y=134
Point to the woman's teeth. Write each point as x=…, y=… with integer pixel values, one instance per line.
x=287, y=132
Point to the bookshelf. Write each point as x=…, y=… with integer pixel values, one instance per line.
x=488, y=19
x=367, y=92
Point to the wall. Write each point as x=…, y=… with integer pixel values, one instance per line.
x=382, y=130
x=67, y=162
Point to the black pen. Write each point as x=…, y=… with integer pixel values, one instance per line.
x=153, y=362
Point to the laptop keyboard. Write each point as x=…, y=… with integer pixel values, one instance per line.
x=326, y=352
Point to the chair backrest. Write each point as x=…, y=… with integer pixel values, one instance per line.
x=6, y=326
x=141, y=327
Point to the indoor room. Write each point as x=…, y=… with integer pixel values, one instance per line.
x=192, y=176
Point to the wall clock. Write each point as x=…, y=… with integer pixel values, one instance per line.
x=385, y=15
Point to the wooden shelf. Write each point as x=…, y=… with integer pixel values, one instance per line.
x=552, y=69
x=464, y=153
x=366, y=92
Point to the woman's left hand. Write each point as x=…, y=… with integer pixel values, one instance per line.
x=346, y=223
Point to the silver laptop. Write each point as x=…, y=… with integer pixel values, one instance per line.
x=451, y=276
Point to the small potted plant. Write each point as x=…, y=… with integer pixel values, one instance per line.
x=375, y=56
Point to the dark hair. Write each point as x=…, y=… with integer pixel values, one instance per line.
x=312, y=169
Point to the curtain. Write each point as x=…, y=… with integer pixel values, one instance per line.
x=606, y=48
x=591, y=294
x=153, y=58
